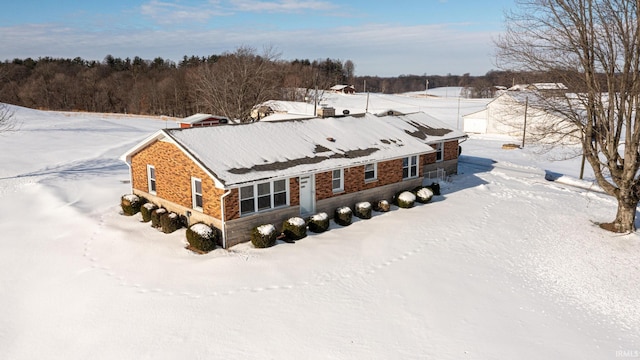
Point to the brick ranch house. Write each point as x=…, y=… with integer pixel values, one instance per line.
x=235, y=177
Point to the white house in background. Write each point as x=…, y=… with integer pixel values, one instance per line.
x=505, y=115
x=199, y=120
x=344, y=89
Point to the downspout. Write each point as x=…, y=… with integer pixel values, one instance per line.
x=224, y=220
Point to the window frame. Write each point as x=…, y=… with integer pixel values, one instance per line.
x=152, y=182
x=375, y=172
x=195, y=194
x=340, y=179
x=256, y=196
x=410, y=165
x=439, y=147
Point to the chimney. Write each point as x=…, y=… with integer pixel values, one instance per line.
x=325, y=112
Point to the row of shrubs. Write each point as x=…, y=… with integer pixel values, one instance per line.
x=202, y=238
x=295, y=228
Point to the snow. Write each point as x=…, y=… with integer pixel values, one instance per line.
x=363, y=205
x=296, y=221
x=424, y=193
x=266, y=229
x=201, y=229
x=344, y=210
x=506, y=264
x=320, y=217
x=407, y=196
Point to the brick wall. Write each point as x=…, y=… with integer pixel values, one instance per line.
x=173, y=177
x=450, y=150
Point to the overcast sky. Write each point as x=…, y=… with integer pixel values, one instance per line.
x=384, y=38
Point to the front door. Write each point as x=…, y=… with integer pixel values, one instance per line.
x=307, y=206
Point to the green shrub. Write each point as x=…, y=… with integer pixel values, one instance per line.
x=382, y=206
x=264, y=236
x=294, y=228
x=146, y=210
x=343, y=216
x=169, y=222
x=363, y=210
x=423, y=194
x=406, y=199
x=319, y=222
x=130, y=204
x=156, y=215
x=201, y=237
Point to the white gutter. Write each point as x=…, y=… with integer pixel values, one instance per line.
x=224, y=220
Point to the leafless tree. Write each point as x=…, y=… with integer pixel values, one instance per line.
x=236, y=82
x=595, y=46
x=7, y=121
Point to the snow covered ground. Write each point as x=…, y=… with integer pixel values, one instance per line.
x=503, y=265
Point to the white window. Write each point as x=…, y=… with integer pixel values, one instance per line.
x=370, y=172
x=196, y=193
x=337, y=180
x=410, y=167
x=438, y=151
x=263, y=196
x=151, y=179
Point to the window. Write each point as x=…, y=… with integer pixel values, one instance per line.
x=151, y=179
x=438, y=152
x=196, y=193
x=370, y=172
x=337, y=180
x=410, y=167
x=263, y=196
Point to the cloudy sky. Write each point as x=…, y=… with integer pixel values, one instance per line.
x=384, y=38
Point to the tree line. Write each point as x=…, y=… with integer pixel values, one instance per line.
x=228, y=84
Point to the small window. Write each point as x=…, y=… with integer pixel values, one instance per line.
x=279, y=193
x=246, y=200
x=196, y=193
x=370, y=171
x=151, y=179
x=438, y=151
x=264, y=196
x=337, y=180
x=410, y=167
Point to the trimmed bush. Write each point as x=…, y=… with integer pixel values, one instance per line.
x=423, y=195
x=382, y=206
x=264, y=236
x=406, y=199
x=363, y=210
x=343, y=216
x=146, y=210
x=130, y=204
x=169, y=222
x=201, y=237
x=156, y=215
x=319, y=222
x=294, y=228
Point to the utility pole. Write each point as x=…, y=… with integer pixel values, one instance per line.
x=524, y=127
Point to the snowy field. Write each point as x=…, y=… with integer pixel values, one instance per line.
x=503, y=265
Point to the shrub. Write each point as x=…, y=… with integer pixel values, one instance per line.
x=130, y=204
x=406, y=199
x=169, y=222
x=156, y=215
x=264, y=236
x=201, y=237
x=146, y=211
x=294, y=228
x=382, y=206
x=363, y=210
x=423, y=195
x=319, y=222
x=343, y=215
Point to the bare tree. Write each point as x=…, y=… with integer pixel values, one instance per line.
x=594, y=46
x=236, y=82
x=7, y=121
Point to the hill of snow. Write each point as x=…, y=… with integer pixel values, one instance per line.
x=504, y=264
